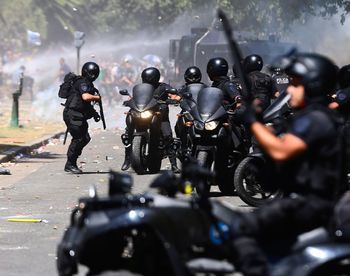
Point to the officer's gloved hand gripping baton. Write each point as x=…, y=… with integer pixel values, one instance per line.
x=101, y=110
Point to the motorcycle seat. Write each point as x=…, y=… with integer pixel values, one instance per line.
x=205, y=265
x=315, y=236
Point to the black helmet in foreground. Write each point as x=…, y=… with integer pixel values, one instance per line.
x=150, y=75
x=217, y=67
x=317, y=73
x=344, y=77
x=253, y=63
x=193, y=75
x=90, y=70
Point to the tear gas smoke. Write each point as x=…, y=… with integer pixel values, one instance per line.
x=324, y=36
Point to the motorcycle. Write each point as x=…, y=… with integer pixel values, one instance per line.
x=215, y=142
x=159, y=234
x=144, y=118
x=184, y=121
x=251, y=175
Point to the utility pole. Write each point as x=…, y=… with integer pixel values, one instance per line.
x=78, y=43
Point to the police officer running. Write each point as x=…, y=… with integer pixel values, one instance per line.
x=151, y=75
x=306, y=165
x=78, y=110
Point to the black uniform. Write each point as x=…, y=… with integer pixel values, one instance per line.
x=75, y=115
x=281, y=80
x=229, y=88
x=262, y=88
x=310, y=181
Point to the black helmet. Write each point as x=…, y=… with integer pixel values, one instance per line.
x=217, y=67
x=150, y=75
x=253, y=63
x=318, y=74
x=90, y=70
x=193, y=75
x=344, y=77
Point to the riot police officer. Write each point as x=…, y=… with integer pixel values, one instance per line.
x=262, y=87
x=306, y=164
x=217, y=69
x=77, y=111
x=151, y=75
x=342, y=105
x=279, y=78
x=192, y=75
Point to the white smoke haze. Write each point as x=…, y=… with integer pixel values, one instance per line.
x=328, y=37
x=325, y=36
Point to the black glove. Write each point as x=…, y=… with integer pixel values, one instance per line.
x=97, y=117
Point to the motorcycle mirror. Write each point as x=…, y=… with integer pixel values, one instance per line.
x=119, y=183
x=124, y=92
x=187, y=95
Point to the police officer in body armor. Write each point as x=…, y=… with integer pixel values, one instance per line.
x=280, y=79
x=342, y=105
x=151, y=75
x=77, y=111
x=192, y=75
x=217, y=69
x=262, y=87
x=307, y=165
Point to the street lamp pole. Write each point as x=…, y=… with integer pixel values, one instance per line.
x=78, y=43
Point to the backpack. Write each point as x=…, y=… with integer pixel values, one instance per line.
x=66, y=87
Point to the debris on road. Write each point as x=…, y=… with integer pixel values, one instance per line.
x=4, y=171
x=24, y=220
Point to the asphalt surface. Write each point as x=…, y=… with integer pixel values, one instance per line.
x=39, y=188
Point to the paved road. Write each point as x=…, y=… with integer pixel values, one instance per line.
x=39, y=188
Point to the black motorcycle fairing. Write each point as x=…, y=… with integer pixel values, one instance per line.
x=209, y=105
x=278, y=108
x=97, y=237
x=194, y=88
x=142, y=97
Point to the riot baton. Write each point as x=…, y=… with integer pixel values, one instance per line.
x=101, y=111
x=236, y=56
x=65, y=136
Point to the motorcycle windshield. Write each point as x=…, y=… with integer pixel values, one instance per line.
x=142, y=95
x=194, y=89
x=278, y=108
x=209, y=102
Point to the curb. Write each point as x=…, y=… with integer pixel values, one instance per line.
x=8, y=155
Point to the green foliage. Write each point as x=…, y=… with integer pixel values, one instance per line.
x=56, y=20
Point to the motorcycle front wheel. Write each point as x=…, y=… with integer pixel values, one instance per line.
x=247, y=181
x=204, y=159
x=138, y=156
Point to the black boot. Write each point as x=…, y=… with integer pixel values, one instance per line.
x=173, y=164
x=72, y=168
x=127, y=158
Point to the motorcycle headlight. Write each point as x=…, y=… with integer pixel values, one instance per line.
x=146, y=114
x=211, y=125
x=198, y=125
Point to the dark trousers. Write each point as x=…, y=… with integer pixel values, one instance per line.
x=276, y=224
x=78, y=129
